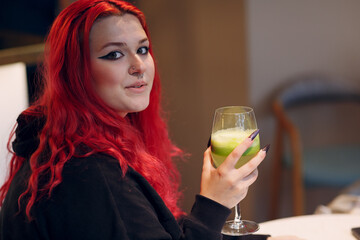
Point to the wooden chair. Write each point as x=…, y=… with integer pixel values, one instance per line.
x=324, y=161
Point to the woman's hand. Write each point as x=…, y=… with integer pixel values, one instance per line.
x=226, y=184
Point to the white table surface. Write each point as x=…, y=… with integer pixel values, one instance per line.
x=313, y=227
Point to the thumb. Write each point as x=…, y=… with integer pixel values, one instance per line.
x=207, y=165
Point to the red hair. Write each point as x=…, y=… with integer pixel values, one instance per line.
x=76, y=115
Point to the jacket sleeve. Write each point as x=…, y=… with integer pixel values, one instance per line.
x=206, y=219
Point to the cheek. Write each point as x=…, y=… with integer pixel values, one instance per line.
x=97, y=73
x=151, y=68
x=104, y=75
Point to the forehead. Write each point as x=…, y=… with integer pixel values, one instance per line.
x=116, y=28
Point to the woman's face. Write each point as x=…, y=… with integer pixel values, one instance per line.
x=122, y=68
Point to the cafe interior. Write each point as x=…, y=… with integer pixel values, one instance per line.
x=296, y=63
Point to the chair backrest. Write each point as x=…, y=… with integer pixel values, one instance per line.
x=13, y=100
x=328, y=107
x=316, y=88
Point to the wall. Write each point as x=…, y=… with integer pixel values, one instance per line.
x=288, y=37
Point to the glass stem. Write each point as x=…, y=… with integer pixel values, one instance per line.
x=237, y=220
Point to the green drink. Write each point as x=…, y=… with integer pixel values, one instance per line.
x=231, y=126
x=224, y=141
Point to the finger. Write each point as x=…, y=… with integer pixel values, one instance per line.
x=248, y=180
x=207, y=164
x=250, y=166
x=235, y=155
x=251, y=178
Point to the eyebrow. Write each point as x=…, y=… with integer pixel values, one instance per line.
x=120, y=44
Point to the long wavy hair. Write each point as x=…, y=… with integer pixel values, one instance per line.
x=76, y=115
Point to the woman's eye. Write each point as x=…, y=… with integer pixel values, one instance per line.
x=112, y=55
x=143, y=50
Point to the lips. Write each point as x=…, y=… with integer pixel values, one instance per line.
x=137, y=85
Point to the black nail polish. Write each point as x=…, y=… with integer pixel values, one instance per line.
x=209, y=142
x=254, y=134
x=266, y=148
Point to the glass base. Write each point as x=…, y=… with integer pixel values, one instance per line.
x=245, y=227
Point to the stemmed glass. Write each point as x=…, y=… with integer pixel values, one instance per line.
x=231, y=126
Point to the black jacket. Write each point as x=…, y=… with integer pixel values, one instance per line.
x=94, y=201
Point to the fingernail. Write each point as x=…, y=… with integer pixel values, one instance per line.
x=209, y=142
x=254, y=134
x=266, y=148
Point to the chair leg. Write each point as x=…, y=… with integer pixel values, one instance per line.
x=298, y=194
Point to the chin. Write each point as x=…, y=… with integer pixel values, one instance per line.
x=139, y=108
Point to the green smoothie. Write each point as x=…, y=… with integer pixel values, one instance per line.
x=223, y=142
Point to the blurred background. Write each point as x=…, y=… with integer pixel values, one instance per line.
x=215, y=53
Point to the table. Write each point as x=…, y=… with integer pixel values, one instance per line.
x=313, y=227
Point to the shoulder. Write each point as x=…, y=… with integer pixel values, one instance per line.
x=90, y=169
x=86, y=175
x=98, y=174
x=98, y=179
x=84, y=179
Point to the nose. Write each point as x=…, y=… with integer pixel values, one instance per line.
x=136, y=66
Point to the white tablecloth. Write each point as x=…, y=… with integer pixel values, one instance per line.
x=314, y=227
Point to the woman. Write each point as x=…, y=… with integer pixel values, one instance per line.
x=93, y=159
